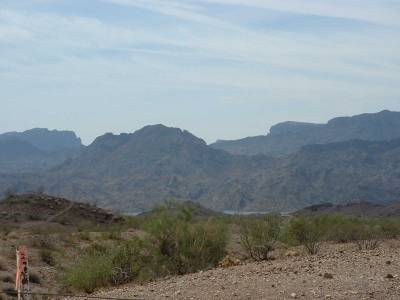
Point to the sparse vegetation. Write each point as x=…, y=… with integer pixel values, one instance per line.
x=182, y=244
x=2, y=264
x=367, y=237
x=172, y=239
x=307, y=232
x=34, y=278
x=259, y=236
x=47, y=256
x=174, y=244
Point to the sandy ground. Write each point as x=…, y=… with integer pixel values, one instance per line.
x=338, y=272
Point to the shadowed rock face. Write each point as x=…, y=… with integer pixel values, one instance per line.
x=132, y=172
x=288, y=137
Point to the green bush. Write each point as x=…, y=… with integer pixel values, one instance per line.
x=174, y=243
x=367, y=233
x=390, y=227
x=367, y=236
x=309, y=232
x=181, y=245
x=90, y=272
x=102, y=265
x=258, y=236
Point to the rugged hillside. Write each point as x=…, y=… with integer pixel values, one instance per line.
x=357, y=209
x=36, y=149
x=46, y=140
x=337, y=173
x=19, y=209
x=288, y=137
x=131, y=172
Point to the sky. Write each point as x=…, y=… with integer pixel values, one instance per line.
x=222, y=69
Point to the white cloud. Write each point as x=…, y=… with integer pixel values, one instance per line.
x=376, y=11
x=203, y=53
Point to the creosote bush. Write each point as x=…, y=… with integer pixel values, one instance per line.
x=259, y=236
x=174, y=243
x=181, y=244
x=102, y=265
x=367, y=237
x=47, y=256
x=309, y=232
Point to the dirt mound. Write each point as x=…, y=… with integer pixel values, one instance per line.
x=338, y=272
x=358, y=209
x=39, y=207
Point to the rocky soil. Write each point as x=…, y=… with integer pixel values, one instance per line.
x=338, y=272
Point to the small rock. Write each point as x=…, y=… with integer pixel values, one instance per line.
x=293, y=295
x=390, y=276
x=388, y=262
x=229, y=262
x=292, y=253
x=328, y=276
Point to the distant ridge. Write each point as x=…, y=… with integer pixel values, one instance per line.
x=357, y=209
x=36, y=149
x=288, y=137
x=132, y=172
x=45, y=139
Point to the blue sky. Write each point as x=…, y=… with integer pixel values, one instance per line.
x=218, y=68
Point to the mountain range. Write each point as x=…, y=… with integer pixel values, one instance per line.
x=288, y=137
x=36, y=149
x=132, y=172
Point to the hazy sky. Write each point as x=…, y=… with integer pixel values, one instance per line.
x=218, y=68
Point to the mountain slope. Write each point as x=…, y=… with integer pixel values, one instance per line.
x=37, y=149
x=132, y=172
x=45, y=139
x=288, y=137
x=22, y=156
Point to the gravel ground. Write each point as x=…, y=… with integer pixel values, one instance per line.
x=339, y=272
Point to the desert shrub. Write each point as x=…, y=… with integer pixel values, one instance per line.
x=367, y=236
x=174, y=243
x=47, y=256
x=34, y=278
x=9, y=291
x=181, y=245
x=8, y=279
x=390, y=227
x=336, y=227
x=84, y=235
x=85, y=226
x=6, y=229
x=131, y=222
x=258, y=236
x=3, y=266
x=46, y=230
x=34, y=217
x=309, y=232
x=102, y=265
x=90, y=272
x=112, y=233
